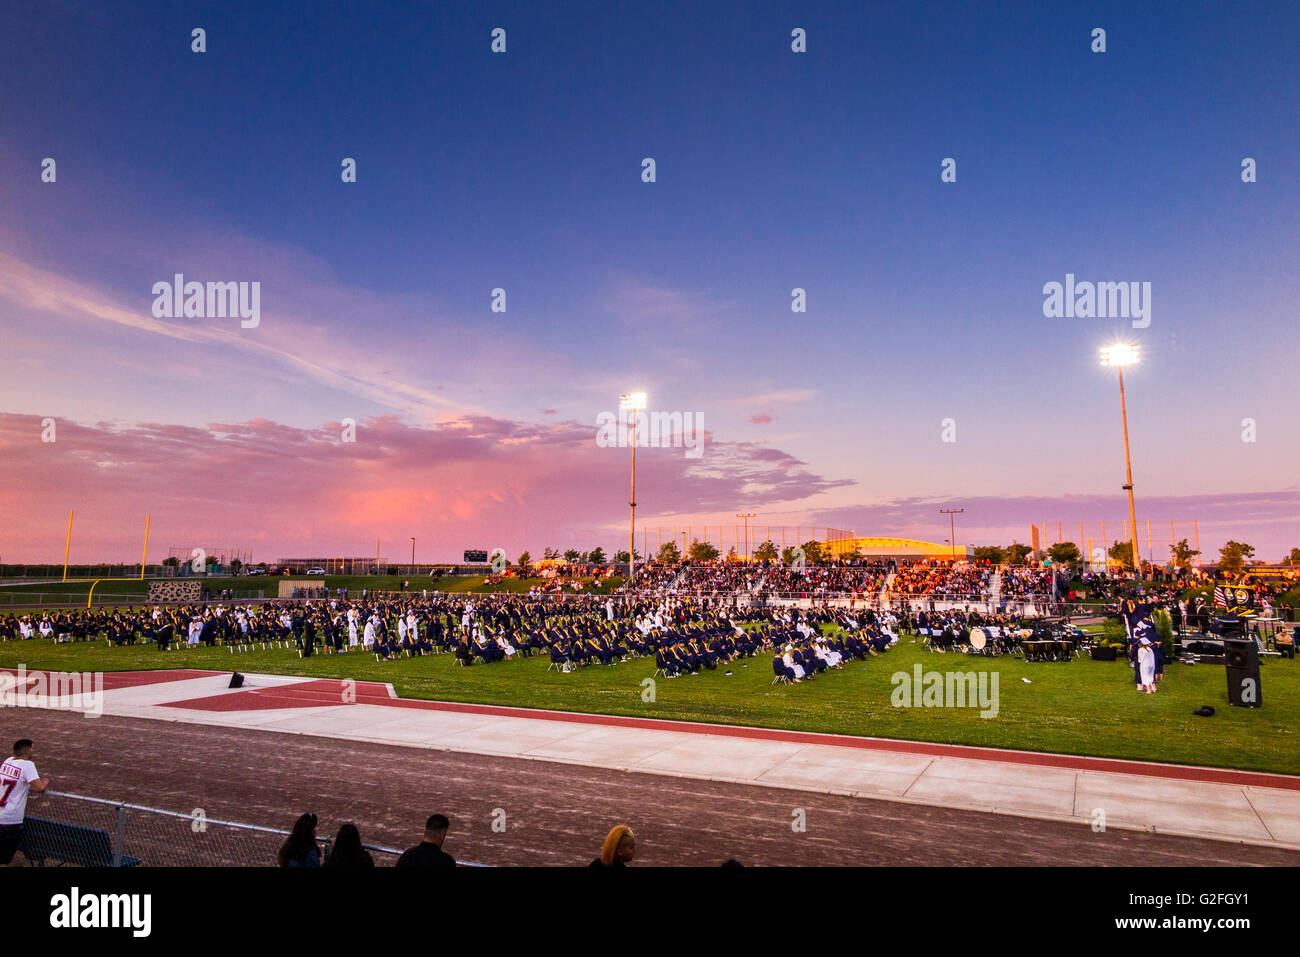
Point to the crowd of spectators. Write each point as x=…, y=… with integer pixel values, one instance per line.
x=1021, y=582
x=942, y=579
x=303, y=847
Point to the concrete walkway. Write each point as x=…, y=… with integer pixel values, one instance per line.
x=1224, y=805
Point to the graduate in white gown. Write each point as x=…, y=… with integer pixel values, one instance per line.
x=1146, y=666
x=827, y=654
x=788, y=660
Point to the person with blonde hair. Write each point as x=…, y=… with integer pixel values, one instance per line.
x=619, y=848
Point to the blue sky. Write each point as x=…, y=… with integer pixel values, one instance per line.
x=775, y=170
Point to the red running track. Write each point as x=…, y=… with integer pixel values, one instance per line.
x=328, y=691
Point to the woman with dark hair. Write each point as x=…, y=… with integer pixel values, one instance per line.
x=299, y=848
x=347, y=850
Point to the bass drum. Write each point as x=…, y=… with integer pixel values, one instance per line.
x=978, y=639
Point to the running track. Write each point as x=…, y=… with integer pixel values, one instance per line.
x=499, y=744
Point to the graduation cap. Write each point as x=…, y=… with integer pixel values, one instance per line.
x=1204, y=711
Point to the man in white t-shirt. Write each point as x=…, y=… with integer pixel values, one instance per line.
x=18, y=777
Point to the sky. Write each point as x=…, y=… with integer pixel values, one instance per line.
x=922, y=375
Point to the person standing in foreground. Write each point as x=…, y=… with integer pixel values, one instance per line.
x=18, y=778
x=429, y=852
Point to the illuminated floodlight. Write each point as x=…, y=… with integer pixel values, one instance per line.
x=634, y=401
x=1120, y=354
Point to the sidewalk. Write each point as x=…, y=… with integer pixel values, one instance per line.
x=1171, y=799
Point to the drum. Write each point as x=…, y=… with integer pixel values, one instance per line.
x=978, y=639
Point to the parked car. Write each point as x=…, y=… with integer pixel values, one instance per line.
x=315, y=571
x=257, y=571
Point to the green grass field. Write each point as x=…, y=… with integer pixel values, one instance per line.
x=1084, y=707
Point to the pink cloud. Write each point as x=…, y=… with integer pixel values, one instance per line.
x=472, y=482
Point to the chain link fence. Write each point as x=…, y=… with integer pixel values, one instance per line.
x=75, y=830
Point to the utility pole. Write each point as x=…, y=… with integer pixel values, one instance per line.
x=952, y=524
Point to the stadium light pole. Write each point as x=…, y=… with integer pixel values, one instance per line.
x=952, y=526
x=1119, y=355
x=634, y=402
x=412, y=554
x=746, y=516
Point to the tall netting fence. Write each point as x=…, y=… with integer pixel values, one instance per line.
x=75, y=830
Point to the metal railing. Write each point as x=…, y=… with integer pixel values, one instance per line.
x=74, y=829
x=60, y=600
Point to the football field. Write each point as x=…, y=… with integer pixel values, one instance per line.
x=1083, y=707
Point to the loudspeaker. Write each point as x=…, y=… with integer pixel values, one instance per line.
x=1228, y=626
x=236, y=680
x=1103, y=653
x=1241, y=653
x=1241, y=659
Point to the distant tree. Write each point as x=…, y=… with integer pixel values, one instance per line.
x=1063, y=553
x=235, y=566
x=731, y=554
x=1121, y=553
x=765, y=552
x=994, y=554
x=668, y=553
x=1233, y=557
x=1017, y=553
x=572, y=555
x=702, y=551
x=597, y=556
x=171, y=561
x=620, y=556
x=1294, y=557
x=1182, y=554
x=853, y=555
x=550, y=553
x=524, y=560
x=813, y=552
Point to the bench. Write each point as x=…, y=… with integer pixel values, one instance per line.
x=43, y=840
